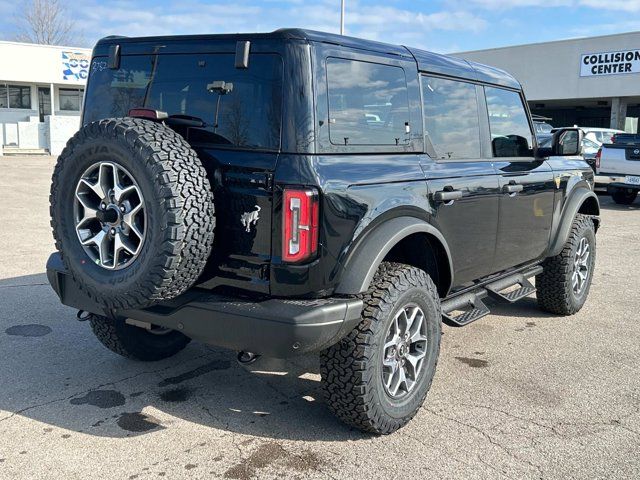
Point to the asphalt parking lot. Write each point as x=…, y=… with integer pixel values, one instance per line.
x=519, y=394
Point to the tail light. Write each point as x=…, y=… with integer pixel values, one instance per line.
x=300, y=224
x=598, y=156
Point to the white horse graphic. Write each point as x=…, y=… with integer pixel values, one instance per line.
x=250, y=218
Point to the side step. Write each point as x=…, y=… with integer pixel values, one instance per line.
x=498, y=289
x=466, y=308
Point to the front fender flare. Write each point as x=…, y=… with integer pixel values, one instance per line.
x=362, y=264
x=578, y=197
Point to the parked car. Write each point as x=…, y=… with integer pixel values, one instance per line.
x=233, y=189
x=600, y=135
x=618, y=168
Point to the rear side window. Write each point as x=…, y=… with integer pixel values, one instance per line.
x=510, y=131
x=451, y=119
x=241, y=108
x=368, y=103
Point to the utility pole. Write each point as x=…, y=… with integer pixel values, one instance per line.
x=342, y=18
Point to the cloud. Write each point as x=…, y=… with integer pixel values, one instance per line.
x=620, y=5
x=610, y=5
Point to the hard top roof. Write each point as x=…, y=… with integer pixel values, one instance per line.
x=426, y=61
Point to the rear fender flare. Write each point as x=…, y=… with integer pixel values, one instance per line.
x=363, y=262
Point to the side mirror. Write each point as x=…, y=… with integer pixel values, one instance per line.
x=567, y=142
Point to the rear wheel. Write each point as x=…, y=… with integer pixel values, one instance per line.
x=563, y=285
x=137, y=343
x=624, y=196
x=378, y=376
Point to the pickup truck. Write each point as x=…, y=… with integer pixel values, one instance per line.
x=299, y=192
x=618, y=168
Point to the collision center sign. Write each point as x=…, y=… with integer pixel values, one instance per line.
x=610, y=63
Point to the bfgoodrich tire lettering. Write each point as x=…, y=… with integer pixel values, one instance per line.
x=555, y=285
x=352, y=369
x=179, y=211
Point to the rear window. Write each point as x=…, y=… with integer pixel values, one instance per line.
x=368, y=103
x=244, y=113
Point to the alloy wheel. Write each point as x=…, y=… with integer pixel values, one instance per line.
x=110, y=216
x=404, y=351
x=580, y=273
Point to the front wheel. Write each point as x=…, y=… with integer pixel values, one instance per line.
x=378, y=376
x=563, y=285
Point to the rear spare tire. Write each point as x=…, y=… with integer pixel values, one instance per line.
x=132, y=212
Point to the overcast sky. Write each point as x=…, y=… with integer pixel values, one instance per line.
x=437, y=25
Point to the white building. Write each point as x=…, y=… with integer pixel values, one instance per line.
x=41, y=91
x=590, y=82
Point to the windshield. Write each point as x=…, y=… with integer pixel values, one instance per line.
x=240, y=107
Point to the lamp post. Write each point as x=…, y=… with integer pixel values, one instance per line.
x=342, y=17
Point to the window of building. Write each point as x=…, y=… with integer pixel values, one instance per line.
x=70, y=99
x=19, y=96
x=451, y=118
x=4, y=100
x=368, y=103
x=510, y=130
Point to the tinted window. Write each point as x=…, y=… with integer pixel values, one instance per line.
x=368, y=103
x=247, y=106
x=510, y=130
x=19, y=96
x=451, y=118
x=4, y=102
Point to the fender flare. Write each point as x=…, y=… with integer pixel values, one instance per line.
x=570, y=210
x=363, y=262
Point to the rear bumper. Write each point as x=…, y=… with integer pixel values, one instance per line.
x=605, y=180
x=275, y=327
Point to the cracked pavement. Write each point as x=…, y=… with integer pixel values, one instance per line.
x=519, y=394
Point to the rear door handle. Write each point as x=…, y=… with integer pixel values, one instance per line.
x=512, y=188
x=447, y=195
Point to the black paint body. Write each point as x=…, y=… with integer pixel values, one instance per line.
x=362, y=187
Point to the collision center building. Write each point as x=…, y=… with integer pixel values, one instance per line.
x=589, y=82
x=41, y=92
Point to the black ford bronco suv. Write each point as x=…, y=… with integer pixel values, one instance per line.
x=295, y=192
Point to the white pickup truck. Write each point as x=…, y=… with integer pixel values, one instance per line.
x=618, y=168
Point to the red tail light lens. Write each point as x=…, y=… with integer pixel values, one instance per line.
x=598, y=156
x=300, y=224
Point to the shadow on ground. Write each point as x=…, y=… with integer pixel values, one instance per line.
x=56, y=372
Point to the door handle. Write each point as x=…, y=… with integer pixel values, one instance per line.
x=447, y=195
x=512, y=188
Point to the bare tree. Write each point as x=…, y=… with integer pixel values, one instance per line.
x=46, y=22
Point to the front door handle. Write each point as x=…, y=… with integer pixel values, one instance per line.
x=512, y=188
x=447, y=195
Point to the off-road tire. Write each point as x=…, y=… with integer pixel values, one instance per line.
x=624, y=197
x=351, y=369
x=554, y=287
x=179, y=211
x=136, y=343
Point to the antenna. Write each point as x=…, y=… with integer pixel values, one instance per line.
x=342, y=17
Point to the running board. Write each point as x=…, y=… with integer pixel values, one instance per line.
x=468, y=307
x=497, y=289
